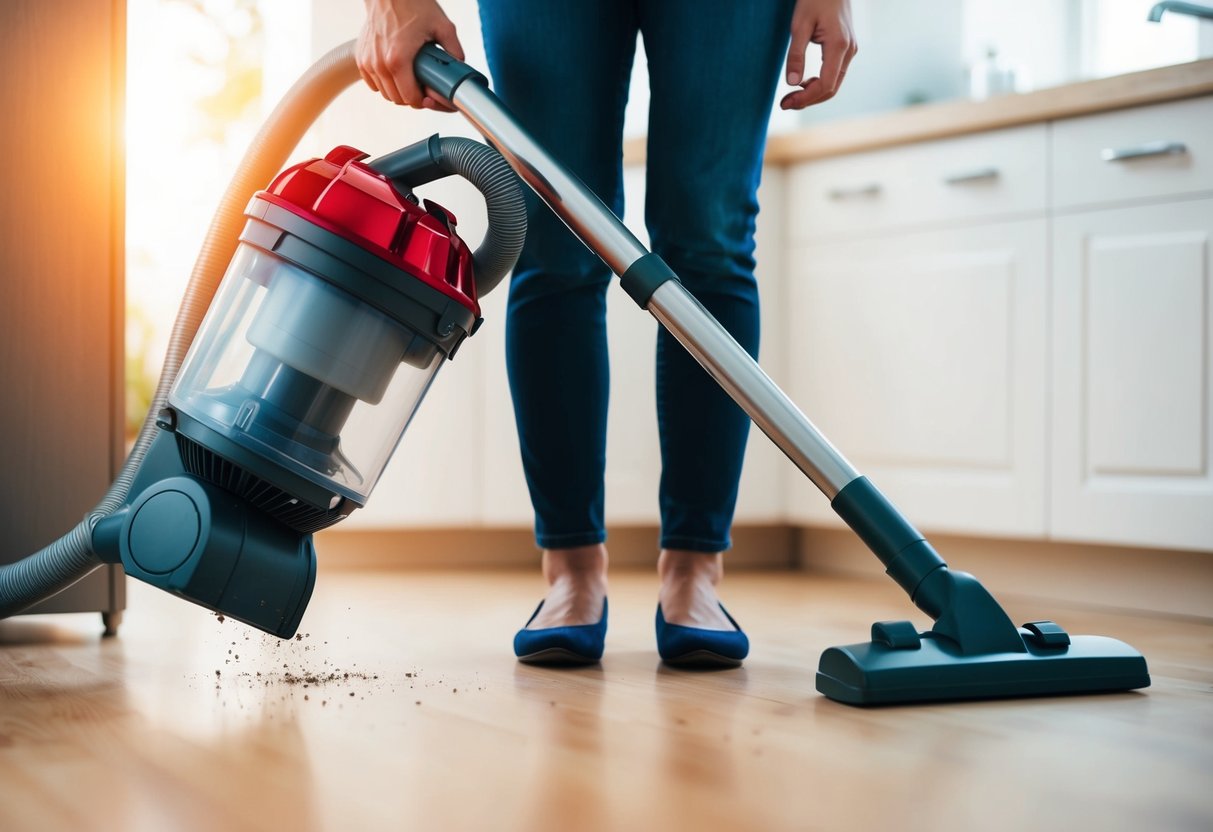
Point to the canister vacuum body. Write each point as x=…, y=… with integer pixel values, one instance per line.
x=345, y=297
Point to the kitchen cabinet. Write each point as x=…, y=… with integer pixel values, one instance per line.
x=1038, y=364
x=1132, y=369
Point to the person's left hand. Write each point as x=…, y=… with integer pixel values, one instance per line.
x=827, y=22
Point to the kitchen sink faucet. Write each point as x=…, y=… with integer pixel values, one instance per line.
x=1179, y=7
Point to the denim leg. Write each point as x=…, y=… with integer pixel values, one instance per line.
x=714, y=66
x=563, y=69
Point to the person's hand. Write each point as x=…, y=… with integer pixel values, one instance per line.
x=394, y=31
x=826, y=22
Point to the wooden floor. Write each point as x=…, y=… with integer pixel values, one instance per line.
x=184, y=722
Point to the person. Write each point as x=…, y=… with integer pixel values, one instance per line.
x=563, y=69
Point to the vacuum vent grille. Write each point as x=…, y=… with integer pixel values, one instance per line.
x=269, y=499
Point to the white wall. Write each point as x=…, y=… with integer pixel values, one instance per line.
x=907, y=50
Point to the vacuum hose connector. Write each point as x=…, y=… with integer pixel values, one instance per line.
x=484, y=167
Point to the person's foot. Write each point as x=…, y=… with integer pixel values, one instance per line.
x=688, y=589
x=577, y=587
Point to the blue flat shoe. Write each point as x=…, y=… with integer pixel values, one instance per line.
x=580, y=644
x=695, y=647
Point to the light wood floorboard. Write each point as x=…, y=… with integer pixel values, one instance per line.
x=140, y=733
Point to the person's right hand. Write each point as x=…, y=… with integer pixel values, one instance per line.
x=394, y=31
x=827, y=22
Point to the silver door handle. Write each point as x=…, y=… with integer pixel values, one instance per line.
x=870, y=189
x=1143, y=151
x=976, y=175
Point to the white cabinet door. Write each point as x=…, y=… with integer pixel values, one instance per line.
x=923, y=358
x=1133, y=376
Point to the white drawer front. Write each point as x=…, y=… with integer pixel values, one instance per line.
x=991, y=175
x=1163, y=150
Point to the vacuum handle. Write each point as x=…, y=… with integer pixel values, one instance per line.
x=442, y=73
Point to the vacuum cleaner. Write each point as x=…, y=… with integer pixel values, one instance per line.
x=343, y=293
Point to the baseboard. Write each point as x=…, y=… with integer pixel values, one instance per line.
x=1152, y=580
x=754, y=547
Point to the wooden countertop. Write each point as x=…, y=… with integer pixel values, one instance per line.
x=956, y=118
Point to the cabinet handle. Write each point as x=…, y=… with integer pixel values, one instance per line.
x=977, y=175
x=1143, y=151
x=870, y=189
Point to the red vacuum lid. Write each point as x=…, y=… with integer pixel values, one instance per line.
x=348, y=198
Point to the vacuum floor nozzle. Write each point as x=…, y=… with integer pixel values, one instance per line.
x=934, y=669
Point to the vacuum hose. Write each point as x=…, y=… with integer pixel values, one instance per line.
x=496, y=180
x=71, y=557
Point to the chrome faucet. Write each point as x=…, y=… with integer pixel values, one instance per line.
x=1178, y=7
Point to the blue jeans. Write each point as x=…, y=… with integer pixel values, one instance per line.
x=563, y=66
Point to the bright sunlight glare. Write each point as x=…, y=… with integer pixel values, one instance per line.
x=194, y=77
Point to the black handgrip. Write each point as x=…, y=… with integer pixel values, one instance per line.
x=441, y=73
